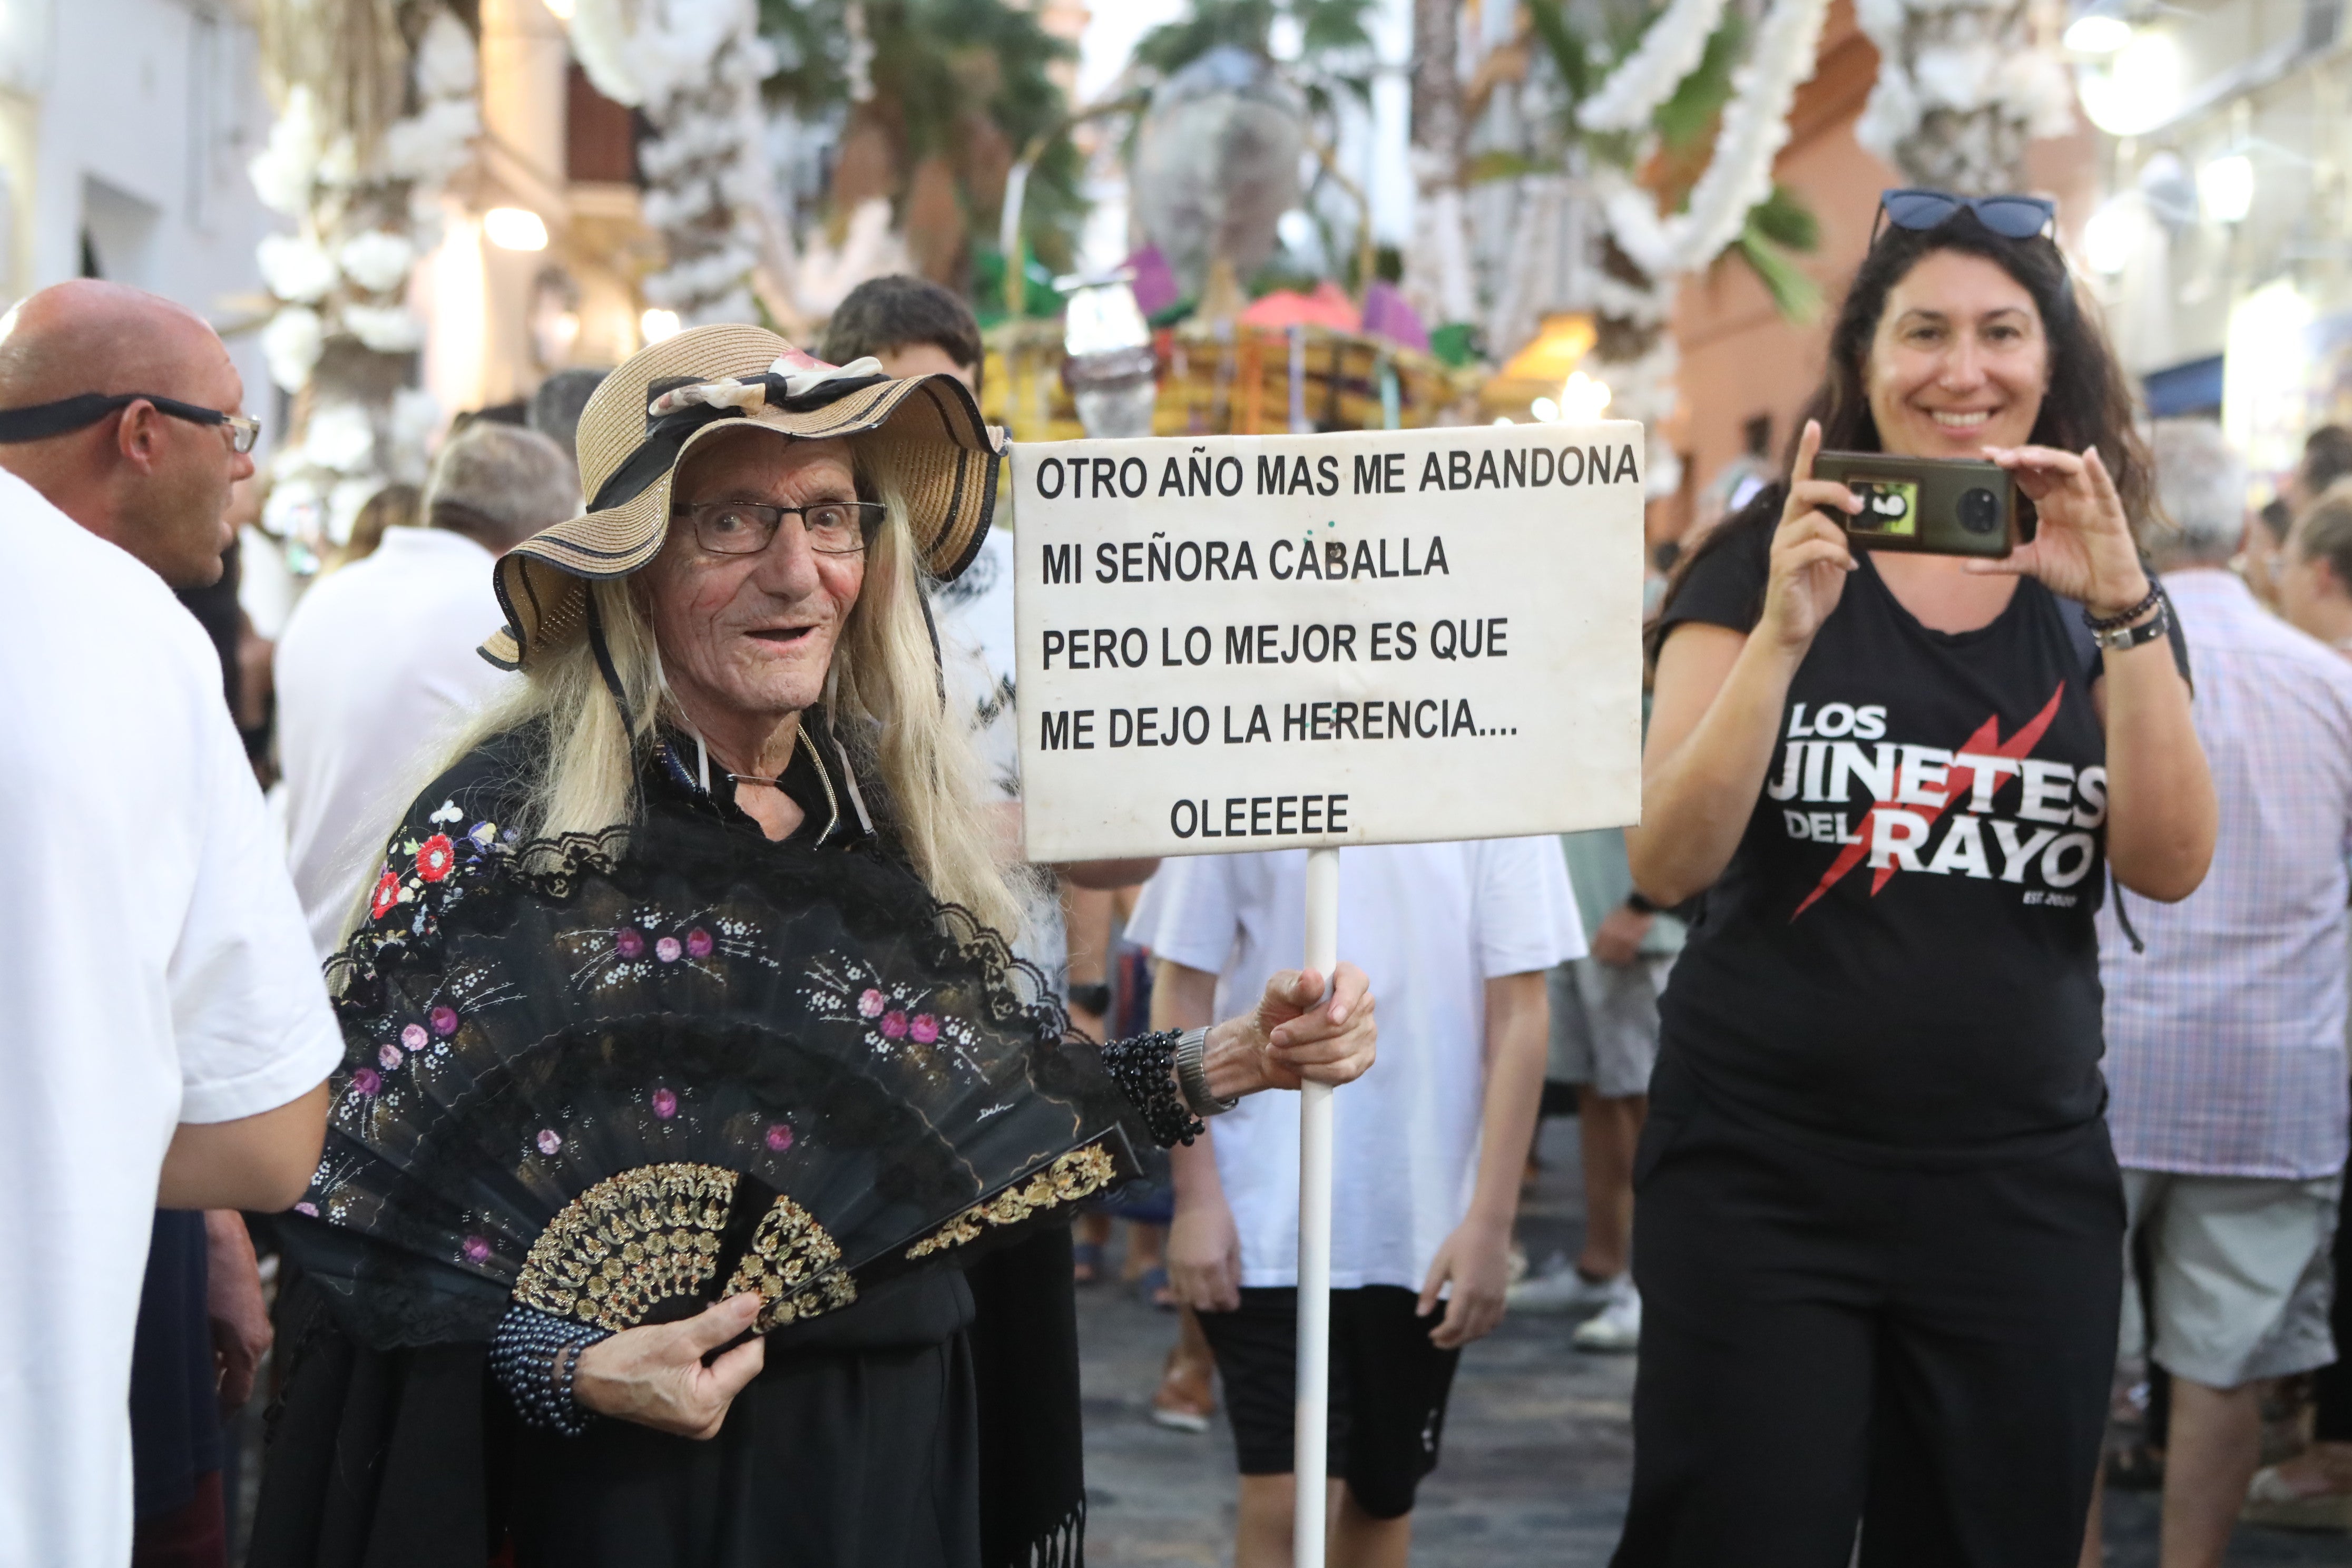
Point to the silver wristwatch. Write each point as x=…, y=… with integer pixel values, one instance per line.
x=1193, y=1075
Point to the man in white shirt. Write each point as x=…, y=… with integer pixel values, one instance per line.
x=166, y=1030
x=1429, y=1148
x=384, y=651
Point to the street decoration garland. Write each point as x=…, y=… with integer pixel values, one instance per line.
x=1963, y=85
x=1740, y=175
x=694, y=68
x=376, y=111
x=1669, y=50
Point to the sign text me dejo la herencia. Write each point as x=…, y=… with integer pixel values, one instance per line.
x=1233, y=643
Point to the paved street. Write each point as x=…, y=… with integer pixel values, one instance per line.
x=1537, y=1450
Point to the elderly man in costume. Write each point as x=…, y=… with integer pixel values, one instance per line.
x=685, y=1060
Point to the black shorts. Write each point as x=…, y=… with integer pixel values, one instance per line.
x=1389, y=1385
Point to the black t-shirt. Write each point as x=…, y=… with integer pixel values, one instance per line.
x=1900, y=952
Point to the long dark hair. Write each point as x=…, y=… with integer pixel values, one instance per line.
x=2089, y=402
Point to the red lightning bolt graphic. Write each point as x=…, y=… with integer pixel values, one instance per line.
x=1962, y=779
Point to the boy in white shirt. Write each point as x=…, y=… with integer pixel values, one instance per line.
x=1429, y=1148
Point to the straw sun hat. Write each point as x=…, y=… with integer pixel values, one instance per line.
x=923, y=434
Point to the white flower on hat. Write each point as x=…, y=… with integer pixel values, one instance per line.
x=726, y=393
x=804, y=373
x=376, y=261
x=295, y=267
x=292, y=343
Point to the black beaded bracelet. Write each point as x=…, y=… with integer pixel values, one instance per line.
x=1144, y=1068
x=535, y=1356
x=2110, y=622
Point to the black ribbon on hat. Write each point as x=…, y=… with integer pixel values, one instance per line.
x=666, y=434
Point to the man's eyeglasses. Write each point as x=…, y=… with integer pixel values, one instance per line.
x=44, y=420
x=747, y=528
x=2011, y=217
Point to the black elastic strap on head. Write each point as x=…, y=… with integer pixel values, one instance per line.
x=44, y=420
x=604, y=653
x=66, y=414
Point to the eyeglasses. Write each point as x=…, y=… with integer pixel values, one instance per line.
x=44, y=420
x=747, y=528
x=243, y=430
x=2011, y=217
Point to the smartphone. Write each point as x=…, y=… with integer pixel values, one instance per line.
x=1933, y=506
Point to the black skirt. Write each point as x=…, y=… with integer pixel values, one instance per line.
x=860, y=1445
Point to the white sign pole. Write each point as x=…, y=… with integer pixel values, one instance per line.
x=1310, y=1462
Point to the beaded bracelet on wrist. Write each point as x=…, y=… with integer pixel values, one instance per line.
x=2114, y=622
x=1144, y=1068
x=535, y=1356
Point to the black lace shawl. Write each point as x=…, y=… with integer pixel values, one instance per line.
x=456, y=871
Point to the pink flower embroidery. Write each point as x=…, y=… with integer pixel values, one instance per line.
x=366, y=1080
x=629, y=943
x=779, y=1137
x=894, y=1025
x=414, y=1037
x=387, y=893
x=870, y=1004
x=669, y=948
x=477, y=1250
x=548, y=1143
x=699, y=943
x=435, y=856
x=443, y=1020
x=924, y=1029
x=390, y=1056
x=307, y=1207
x=665, y=1104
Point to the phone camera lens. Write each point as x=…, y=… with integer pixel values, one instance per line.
x=1980, y=510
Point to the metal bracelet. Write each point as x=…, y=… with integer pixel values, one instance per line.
x=1193, y=1075
x=2119, y=639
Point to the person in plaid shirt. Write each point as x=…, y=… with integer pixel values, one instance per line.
x=2225, y=1020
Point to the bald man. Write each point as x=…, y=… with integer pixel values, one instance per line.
x=124, y=411
x=163, y=1030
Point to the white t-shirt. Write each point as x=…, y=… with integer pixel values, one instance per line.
x=1430, y=924
x=153, y=970
x=974, y=619
x=377, y=666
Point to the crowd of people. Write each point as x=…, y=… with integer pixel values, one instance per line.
x=1958, y=1040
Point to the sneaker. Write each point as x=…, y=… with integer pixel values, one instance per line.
x=1560, y=1288
x=1184, y=1400
x=1618, y=1325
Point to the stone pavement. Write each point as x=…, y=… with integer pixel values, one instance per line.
x=1538, y=1447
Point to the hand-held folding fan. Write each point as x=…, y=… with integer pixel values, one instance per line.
x=618, y=1086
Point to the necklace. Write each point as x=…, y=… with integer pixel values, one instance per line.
x=755, y=779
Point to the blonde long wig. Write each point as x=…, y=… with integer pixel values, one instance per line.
x=884, y=693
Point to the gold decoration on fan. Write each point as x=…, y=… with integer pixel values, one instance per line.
x=793, y=1264
x=1076, y=1174
x=629, y=1242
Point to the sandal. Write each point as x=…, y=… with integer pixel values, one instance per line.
x=1152, y=1285
x=1086, y=1262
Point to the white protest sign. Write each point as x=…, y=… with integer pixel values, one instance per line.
x=1268, y=642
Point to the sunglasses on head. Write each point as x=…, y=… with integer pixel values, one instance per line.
x=2011, y=217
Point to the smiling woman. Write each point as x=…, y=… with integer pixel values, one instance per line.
x=1901, y=783
x=687, y=1063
